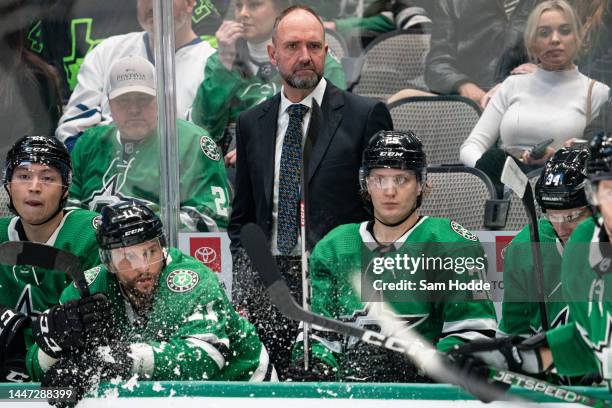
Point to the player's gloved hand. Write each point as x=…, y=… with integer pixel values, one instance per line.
x=71, y=371
x=317, y=371
x=75, y=324
x=509, y=353
x=512, y=353
x=12, y=345
x=367, y=362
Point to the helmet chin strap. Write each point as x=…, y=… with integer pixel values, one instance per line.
x=417, y=204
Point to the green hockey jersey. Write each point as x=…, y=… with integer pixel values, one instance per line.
x=584, y=346
x=33, y=290
x=191, y=333
x=520, y=310
x=106, y=170
x=439, y=315
x=225, y=93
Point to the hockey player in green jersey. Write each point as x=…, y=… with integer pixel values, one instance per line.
x=37, y=176
x=560, y=194
x=171, y=318
x=393, y=180
x=123, y=160
x=582, y=346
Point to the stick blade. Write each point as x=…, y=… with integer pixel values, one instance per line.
x=45, y=257
x=513, y=177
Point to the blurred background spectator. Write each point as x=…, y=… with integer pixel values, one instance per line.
x=72, y=28
x=29, y=87
x=88, y=105
x=555, y=102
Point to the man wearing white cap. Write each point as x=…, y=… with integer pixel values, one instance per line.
x=89, y=106
x=120, y=161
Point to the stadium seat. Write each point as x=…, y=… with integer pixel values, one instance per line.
x=517, y=215
x=392, y=62
x=442, y=122
x=337, y=45
x=458, y=193
x=4, y=200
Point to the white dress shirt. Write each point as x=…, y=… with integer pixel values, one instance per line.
x=281, y=128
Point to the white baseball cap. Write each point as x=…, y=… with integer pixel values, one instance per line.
x=131, y=74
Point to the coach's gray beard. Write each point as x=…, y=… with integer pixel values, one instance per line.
x=309, y=82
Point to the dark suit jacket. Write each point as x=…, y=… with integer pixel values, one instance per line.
x=340, y=134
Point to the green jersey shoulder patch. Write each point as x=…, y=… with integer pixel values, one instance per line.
x=96, y=222
x=464, y=232
x=209, y=148
x=182, y=280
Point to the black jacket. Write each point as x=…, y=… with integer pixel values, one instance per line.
x=346, y=124
x=466, y=43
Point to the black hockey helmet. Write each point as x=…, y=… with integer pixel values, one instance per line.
x=562, y=181
x=46, y=150
x=39, y=149
x=393, y=149
x=599, y=165
x=128, y=223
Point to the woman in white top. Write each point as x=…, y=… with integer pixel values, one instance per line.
x=551, y=103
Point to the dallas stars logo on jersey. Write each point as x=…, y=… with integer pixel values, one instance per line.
x=182, y=280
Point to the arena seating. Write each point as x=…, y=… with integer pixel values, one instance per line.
x=392, y=62
x=458, y=193
x=442, y=122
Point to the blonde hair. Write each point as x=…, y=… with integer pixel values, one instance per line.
x=591, y=15
x=532, y=24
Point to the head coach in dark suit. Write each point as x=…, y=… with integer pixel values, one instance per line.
x=269, y=142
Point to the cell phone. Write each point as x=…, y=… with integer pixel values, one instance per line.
x=538, y=150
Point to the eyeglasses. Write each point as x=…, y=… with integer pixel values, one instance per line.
x=568, y=217
x=384, y=182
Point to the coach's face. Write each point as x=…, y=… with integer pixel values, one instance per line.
x=298, y=50
x=135, y=115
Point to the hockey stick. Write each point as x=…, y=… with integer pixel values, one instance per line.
x=425, y=356
x=46, y=257
x=515, y=179
x=304, y=207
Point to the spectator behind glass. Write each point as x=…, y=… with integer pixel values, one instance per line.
x=72, y=28
x=551, y=103
x=29, y=88
x=465, y=47
x=240, y=75
x=89, y=106
x=595, y=57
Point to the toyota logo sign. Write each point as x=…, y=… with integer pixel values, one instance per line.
x=205, y=255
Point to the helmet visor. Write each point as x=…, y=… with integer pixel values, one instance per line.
x=37, y=174
x=146, y=256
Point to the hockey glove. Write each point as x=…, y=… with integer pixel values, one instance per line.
x=75, y=324
x=71, y=371
x=512, y=353
x=509, y=353
x=12, y=345
x=318, y=371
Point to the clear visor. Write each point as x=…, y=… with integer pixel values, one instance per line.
x=36, y=174
x=381, y=182
x=141, y=257
x=566, y=216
